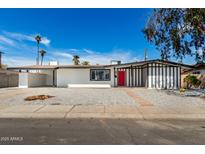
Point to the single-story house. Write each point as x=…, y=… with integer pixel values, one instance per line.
x=150, y=74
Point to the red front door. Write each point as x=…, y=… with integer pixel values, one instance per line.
x=121, y=78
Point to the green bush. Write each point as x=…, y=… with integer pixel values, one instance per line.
x=192, y=80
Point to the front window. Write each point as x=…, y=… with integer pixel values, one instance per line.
x=100, y=74
x=196, y=72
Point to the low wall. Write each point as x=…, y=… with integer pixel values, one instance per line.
x=8, y=79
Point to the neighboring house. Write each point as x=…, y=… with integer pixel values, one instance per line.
x=150, y=74
x=197, y=69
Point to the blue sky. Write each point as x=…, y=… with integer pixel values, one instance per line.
x=96, y=35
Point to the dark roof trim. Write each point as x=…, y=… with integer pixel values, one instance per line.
x=80, y=66
x=155, y=61
x=102, y=66
x=30, y=68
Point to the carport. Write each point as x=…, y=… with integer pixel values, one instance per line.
x=36, y=75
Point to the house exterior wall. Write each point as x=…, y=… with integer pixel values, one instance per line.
x=49, y=76
x=164, y=77
x=37, y=79
x=202, y=71
x=32, y=80
x=79, y=76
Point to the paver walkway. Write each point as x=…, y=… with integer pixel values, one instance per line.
x=139, y=99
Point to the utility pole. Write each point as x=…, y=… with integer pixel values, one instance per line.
x=145, y=55
x=180, y=60
x=1, y=59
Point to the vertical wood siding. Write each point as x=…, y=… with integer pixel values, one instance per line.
x=163, y=76
x=152, y=75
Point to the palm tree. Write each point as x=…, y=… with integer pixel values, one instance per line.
x=76, y=60
x=85, y=63
x=42, y=53
x=38, y=40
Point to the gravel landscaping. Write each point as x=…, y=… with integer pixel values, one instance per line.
x=165, y=98
x=188, y=92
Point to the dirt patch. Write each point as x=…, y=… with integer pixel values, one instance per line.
x=38, y=97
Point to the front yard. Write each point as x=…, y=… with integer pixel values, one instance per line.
x=66, y=96
x=113, y=96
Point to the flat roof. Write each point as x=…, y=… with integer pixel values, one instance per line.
x=8, y=72
x=55, y=66
x=101, y=66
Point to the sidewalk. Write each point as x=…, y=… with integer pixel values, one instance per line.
x=98, y=111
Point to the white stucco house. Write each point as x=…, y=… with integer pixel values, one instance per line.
x=150, y=74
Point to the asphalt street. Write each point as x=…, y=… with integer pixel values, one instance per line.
x=100, y=131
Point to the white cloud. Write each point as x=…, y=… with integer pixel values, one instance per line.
x=24, y=37
x=19, y=36
x=45, y=41
x=18, y=61
x=74, y=50
x=6, y=41
x=200, y=52
x=63, y=55
x=105, y=58
x=88, y=51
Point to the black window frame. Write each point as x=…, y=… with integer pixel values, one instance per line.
x=196, y=72
x=100, y=70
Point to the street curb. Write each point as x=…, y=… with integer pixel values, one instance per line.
x=102, y=116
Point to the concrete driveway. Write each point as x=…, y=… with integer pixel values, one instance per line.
x=99, y=103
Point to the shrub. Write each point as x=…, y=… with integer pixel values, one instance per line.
x=191, y=80
x=182, y=90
